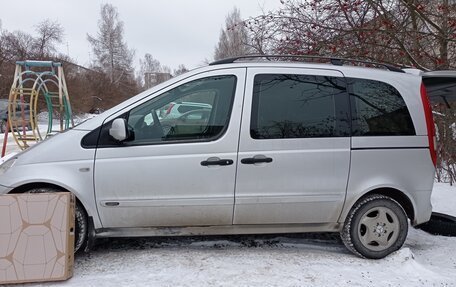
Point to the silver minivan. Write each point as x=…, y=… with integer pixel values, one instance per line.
x=285, y=147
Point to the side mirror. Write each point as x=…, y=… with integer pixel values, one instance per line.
x=119, y=130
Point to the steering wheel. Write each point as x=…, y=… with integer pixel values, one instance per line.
x=148, y=132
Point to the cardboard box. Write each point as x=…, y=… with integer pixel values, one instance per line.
x=36, y=237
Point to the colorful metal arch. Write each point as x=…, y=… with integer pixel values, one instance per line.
x=33, y=79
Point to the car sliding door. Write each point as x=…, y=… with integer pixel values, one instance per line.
x=294, y=150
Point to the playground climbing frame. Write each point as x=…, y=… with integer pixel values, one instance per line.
x=33, y=80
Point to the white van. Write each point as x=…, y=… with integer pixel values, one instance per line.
x=287, y=147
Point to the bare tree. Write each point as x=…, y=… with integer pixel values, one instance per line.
x=17, y=45
x=419, y=33
x=233, y=40
x=149, y=64
x=49, y=33
x=2, y=46
x=180, y=70
x=13, y=46
x=89, y=89
x=112, y=54
x=152, y=72
x=446, y=147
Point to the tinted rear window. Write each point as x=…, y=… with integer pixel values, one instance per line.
x=298, y=106
x=378, y=109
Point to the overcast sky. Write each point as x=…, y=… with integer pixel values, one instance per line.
x=173, y=31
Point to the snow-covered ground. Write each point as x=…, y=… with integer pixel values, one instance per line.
x=267, y=260
x=444, y=198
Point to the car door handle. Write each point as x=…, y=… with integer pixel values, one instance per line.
x=256, y=159
x=216, y=161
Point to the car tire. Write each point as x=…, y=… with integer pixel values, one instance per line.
x=81, y=223
x=375, y=227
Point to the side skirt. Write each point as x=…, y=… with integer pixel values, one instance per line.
x=216, y=230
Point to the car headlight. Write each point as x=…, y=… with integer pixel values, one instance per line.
x=7, y=165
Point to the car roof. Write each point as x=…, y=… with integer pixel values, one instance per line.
x=309, y=59
x=347, y=70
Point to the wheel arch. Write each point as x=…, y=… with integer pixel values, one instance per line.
x=89, y=241
x=398, y=196
x=401, y=197
x=28, y=186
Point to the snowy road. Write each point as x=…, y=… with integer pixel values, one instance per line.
x=292, y=260
x=301, y=260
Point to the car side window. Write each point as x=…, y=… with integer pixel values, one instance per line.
x=298, y=106
x=378, y=109
x=197, y=110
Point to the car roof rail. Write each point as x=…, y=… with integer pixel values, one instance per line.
x=333, y=60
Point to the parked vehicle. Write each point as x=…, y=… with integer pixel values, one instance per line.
x=3, y=114
x=175, y=110
x=21, y=115
x=287, y=147
x=195, y=118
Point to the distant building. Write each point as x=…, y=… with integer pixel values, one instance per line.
x=153, y=79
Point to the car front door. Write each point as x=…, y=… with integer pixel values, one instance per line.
x=181, y=175
x=294, y=150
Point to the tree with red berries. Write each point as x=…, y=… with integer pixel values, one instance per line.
x=415, y=33
x=419, y=33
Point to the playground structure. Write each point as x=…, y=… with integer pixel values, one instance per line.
x=34, y=80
